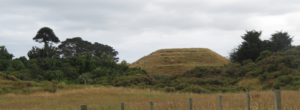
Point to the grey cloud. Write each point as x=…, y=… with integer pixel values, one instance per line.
x=123, y=24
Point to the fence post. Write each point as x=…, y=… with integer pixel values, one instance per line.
x=277, y=99
x=82, y=107
x=190, y=103
x=220, y=102
x=248, y=100
x=151, y=105
x=122, y=105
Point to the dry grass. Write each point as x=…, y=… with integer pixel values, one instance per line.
x=177, y=61
x=109, y=98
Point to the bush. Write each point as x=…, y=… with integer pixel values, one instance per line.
x=195, y=89
x=285, y=79
x=181, y=86
x=169, y=89
x=159, y=77
x=8, y=90
x=255, y=73
x=277, y=85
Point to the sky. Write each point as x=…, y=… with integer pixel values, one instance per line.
x=136, y=28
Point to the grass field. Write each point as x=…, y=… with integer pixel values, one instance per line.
x=177, y=61
x=109, y=98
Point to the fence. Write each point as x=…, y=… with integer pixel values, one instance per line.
x=277, y=97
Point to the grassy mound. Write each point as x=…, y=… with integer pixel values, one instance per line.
x=176, y=61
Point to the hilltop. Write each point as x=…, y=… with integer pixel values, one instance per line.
x=177, y=61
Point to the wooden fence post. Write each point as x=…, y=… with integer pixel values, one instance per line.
x=151, y=105
x=122, y=105
x=248, y=100
x=82, y=107
x=220, y=102
x=277, y=99
x=190, y=103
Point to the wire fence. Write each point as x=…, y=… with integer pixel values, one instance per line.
x=188, y=104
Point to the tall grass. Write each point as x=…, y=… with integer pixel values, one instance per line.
x=109, y=98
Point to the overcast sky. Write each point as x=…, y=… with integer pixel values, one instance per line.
x=135, y=28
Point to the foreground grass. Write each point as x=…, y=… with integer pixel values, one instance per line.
x=109, y=98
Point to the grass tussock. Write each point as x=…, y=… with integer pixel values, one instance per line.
x=109, y=98
x=176, y=61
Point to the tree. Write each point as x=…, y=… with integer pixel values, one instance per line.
x=249, y=49
x=17, y=64
x=98, y=49
x=46, y=35
x=74, y=47
x=23, y=59
x=5, y=58
x=4, y=53
x=85, y=77
x=282, y=40
x=46, y=52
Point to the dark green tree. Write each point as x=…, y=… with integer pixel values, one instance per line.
x=5, y=58
x=46, y=35
x=17, y=64
x=74, y=47
x=281, y=40
x=98, y=49
x=249, y=49
x=46, y=52
x=4, y=53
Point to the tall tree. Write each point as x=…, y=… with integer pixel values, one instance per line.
x=74, y=47
x=5, y=58
x=46, y=35
x=282, y=40
x=98, y=49
x=249, y=49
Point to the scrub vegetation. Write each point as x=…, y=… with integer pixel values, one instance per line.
x=78, y=72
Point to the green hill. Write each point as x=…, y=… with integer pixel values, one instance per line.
x=176, y=61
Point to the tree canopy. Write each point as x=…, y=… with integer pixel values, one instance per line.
x=76, y=46
x=249, y=49
x=46, y=35
x=252, y=46
x=282, y=40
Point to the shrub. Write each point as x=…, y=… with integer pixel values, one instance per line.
x=159, y=77
x=285, y=79
x=255, y=73
x=181, y=86
x=265, y=87
x=195, y=89
x=263, y=55
x=277, y=85
x=169, y=89
x=8, y=90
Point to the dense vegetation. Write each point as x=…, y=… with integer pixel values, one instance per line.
x=74, y=61
x=275, y=71
x=252, y=45
x=256, y=64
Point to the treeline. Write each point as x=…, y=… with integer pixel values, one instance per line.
x=73, y=61
x=252, y=45
x=256, y=65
